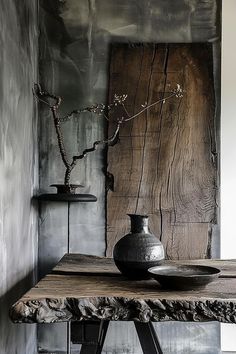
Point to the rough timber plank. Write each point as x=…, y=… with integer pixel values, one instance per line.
x=95, y=291
x=58, y=298
x=164, y=164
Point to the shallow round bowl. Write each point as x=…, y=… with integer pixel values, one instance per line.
x=184, y=277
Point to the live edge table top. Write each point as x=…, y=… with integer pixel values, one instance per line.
x=84, y=287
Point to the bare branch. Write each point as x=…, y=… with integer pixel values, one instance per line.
x=96, y=109
x=41, y=94
x=125, y=109
x=38, y=98
x=99, y=109
x=110, y=140
x=60, y=139
x=149, y=106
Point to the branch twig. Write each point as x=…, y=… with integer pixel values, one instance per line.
x=108, y=141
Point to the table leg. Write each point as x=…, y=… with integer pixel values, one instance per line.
x=148, y=338
x=90, y=334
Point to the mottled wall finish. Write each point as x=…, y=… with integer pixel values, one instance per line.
x=74, y=56
x=18, y=167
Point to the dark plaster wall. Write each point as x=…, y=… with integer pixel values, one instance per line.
x=18, y=167
x=74, y=55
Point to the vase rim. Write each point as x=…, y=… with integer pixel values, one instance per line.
x=139, y=215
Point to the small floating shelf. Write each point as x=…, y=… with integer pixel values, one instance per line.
x=66, y=193
x=66, y=197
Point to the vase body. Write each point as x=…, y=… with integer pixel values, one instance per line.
x=138, y=250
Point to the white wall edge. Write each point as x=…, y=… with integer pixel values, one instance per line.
x=228, y=150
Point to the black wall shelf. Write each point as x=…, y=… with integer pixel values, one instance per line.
x=66, y=197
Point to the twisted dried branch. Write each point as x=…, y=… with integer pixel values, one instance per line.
x=119, y=100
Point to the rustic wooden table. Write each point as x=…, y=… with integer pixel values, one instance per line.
x=91, y=289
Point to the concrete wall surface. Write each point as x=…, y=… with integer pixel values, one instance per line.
x=18, y=167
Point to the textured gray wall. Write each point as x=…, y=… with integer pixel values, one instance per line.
x=74, y=53
x=18, y=167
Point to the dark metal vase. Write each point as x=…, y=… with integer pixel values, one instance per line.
x=138, y=250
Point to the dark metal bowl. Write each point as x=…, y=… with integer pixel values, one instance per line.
x=184, y=277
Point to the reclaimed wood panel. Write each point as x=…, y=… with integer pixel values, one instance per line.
x=164, y=164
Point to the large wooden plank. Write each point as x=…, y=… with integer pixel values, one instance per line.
x=164, y=165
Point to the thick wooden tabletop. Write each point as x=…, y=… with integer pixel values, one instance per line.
x=87, y=287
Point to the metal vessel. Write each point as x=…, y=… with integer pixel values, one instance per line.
x=138, y=250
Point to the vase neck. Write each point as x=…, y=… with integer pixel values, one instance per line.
x=139, y=223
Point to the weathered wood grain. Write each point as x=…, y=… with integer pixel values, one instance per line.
x=96, y=295
x=75, y=263
x=66, y=307
x=58, y=286
x=164, y=165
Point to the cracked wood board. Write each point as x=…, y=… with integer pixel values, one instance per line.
x=165, y=162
